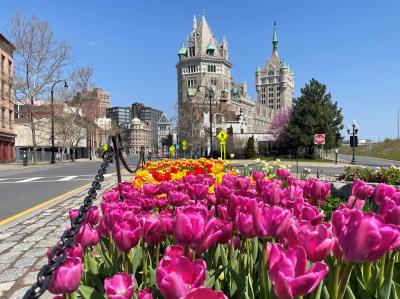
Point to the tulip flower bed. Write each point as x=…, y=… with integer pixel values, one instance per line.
x=389, y=175
x=189, y=229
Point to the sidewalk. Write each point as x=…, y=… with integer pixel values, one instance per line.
x=16, y=166
x=251, y=162
x=24, y=242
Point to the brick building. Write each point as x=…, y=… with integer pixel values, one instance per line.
x=7, y=135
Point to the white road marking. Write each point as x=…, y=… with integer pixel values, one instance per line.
x=29, y=180
x=108, y=175
x=67, y=178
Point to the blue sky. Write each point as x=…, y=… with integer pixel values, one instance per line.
x=351, y=46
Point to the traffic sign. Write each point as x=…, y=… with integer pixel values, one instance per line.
x=319, y=139
x=172, y=148
x=177, y=146
x=222, y=135
x=184, y=143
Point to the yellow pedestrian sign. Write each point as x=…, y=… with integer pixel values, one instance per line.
x=222, y=135
x=184, y=143
x=172, y=151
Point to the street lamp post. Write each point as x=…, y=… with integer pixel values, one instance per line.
x=53, y=160
x=353, y=130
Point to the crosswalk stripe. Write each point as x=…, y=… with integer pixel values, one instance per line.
x=29, y=180
x=108, y=175
x=67, y=178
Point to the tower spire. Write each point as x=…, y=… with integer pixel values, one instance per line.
x=274, y=40
x=194, y=23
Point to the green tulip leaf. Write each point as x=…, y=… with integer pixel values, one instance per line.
x=239, y=281
x=89, y=293
x=384, y=292
x=136, y=258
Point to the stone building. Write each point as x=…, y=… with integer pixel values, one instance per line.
x=275, y=81
x=7, y=135
x=204, y=72
x=135, y=135
x=151, y=116
x=164, y=129
x=98, y=101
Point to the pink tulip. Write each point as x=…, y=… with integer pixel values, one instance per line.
x=293, y=193
x=215, y=231
x=145, y=294
x=354, y=203
x=361, y=190
x=120, y=286
x=392, y=216
x=235, y=241
x=257, y=175
x=241, y=183
x=272, y=193
x=317, y=241
x=150, y=189
x=152, y=226
x=111, y=195
x=305, y=211
x=177, y=199
x=222, y=193
x=316, y=191
x=244, y=225
x=282, y=174
x=363, y=237
x=288, y=272
x=271, y=222
x=205, y=293
x=166, y=187
x=126, y=234
x=103, y=229
x=381, y=191
x=197, y=191
x=189, y=224
x=92, y=215
x=178, y=275
x=87, y=236
x=67, y=277
x=74, y=251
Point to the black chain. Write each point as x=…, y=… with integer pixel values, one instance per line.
x=58, y=255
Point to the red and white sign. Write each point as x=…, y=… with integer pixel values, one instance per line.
x=319, y=139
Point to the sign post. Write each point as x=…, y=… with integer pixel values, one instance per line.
x=222, y=136
x=184, y=144
x=319, y=139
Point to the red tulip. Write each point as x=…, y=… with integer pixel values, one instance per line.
x=282, y=174
x=67, y=276
x=120, y=286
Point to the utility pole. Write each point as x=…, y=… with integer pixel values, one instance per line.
x=398, y=123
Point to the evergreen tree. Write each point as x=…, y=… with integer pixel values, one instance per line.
x=249, y=151
x=315, y=113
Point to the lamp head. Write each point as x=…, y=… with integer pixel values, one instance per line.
x=65, y=84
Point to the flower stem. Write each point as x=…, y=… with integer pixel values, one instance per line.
x=336, y=280
x=382, y=270
x=367, y=272
x=157, y=254
x=345, y=275
x=144, y=261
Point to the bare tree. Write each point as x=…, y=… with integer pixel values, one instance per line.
x=39, y=61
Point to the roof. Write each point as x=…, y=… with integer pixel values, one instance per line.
x=164, y=120
x=4, y=39
x=204, y=38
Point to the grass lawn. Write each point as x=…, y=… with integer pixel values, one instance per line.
x=293, y=159
x=389, y=149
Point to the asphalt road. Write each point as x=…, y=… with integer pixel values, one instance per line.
x=370, y=161
x=22, y=189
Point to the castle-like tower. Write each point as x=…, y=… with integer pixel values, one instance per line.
x=275, y=81
x=204, y=65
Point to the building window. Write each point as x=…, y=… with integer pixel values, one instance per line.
x=214, y=81
x=3, y=115
x=191, y=69
x=271, y=106
x=271, y=101
x=270, y=95
x=278, y=106
x=263, y=89
x=191, y=52
x=212, y=68
x=278, y=88
x=278, y=94
x=9, y=119
x=262, y=101
x=263, y=95
x=271, y=72
x=270, y=88
x=270, y=80
x=2, y=65
x=278, y=79
x=191, y=82
x=278, y=101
